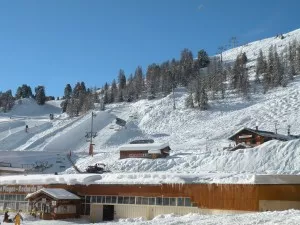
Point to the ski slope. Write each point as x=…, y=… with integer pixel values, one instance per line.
x=195, y=137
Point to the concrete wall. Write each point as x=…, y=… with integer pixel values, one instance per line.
x=96, y=212
x=149, y=212
x=265, y=205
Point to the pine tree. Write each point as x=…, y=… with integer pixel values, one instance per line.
x=6, y=100
x=189, y=103
x=138, y=81
x=113, y=91
x=261, y=66
x=186, y=63
x=68, y=91
x=297, y=61
x=40, y=95
x=277, y=70
x=153, y=79
x=203, y=58
x=167, y=80
x=122, y=80
x=269, y=77
x=64, y=105
x=76, y=90
x=203, y=103
x=19, y=94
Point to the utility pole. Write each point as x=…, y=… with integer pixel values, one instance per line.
x=174, y=106
x=91, y=135
x=173, y=85
x=221, y=49
x=234, y=42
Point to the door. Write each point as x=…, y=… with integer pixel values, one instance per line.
x=108, y=212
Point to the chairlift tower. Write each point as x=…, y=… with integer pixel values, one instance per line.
x=90, y=135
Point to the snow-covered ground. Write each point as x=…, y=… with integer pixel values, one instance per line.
x=290, y=217
x=196, y=137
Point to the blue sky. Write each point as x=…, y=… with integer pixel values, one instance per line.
x=56, y=42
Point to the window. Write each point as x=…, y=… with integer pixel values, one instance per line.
x=144, y=201
x=99, y=199
x=87, y=199
x=166, y=201
x=187, y=202
x=131, y=200
x=113, y=199
x=120, y=199
x=151, y=201
x=94, y=199
x=173, y=201
x=108, y=199
x=125, y=200
x=159, y=201
x=138, y=200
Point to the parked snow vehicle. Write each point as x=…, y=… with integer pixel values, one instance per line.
x=97, y=168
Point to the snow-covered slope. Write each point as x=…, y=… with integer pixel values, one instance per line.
x=196, y=137
x=252, y=49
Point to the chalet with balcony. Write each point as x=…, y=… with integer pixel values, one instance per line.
x=255, y=137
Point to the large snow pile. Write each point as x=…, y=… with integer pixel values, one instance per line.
x=290, y=217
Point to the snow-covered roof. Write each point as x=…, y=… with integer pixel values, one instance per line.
x=56, y=193
x=69, y=179
x=154, y=151
x=12, y=170
x=150, y=146
x=265, y=134
x=155, y=178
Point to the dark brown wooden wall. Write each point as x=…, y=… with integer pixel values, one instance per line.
x=211, y=196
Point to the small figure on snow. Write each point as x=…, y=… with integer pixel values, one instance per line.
x=18, y=218
x=6, y=218
x=26, y=128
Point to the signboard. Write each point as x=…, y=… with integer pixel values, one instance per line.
x=53, y=203
x=138, y=155
x=43, y=200
x=19, y=189
x=245, y=136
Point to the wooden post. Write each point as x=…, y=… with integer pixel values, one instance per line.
x=91, y=150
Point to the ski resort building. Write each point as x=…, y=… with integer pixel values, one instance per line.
x=56, y=203
x=254, y=137
x=144, y=150
x=100, y=199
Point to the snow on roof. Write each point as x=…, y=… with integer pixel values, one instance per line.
x=150, y=146
x=69, y=179
x=154, y=151
x=152, y=178
x=12, y=169
x=56, y=193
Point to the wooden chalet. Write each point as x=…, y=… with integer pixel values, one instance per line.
x=54, y=203
x=144, y=150
x=255, y=137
